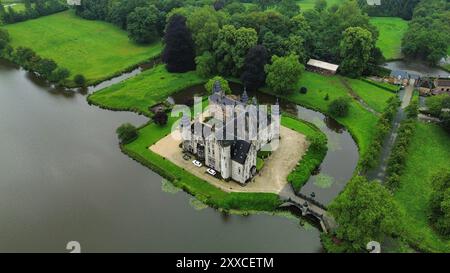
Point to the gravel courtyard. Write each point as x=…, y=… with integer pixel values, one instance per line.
x=273, y=176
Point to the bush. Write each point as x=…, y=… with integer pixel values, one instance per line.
x=80, y=80
x=397, y=159
x=439, y=202
x=160, y=118
x=339, y=107
x=384, y=125
x=327, y=97
x=127, y=133
x=303, y=90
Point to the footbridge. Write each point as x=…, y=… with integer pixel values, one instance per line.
x=309, y=207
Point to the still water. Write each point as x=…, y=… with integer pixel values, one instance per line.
x=63, y=178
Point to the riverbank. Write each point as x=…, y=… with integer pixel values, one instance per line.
x=97, y=50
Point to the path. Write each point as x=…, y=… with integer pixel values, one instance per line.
x=409, y=91
x=380, y=171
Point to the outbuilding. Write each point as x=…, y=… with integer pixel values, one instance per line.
x=322, y=67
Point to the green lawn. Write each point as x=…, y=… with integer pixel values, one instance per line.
x=374, y=96
x=201, y=189
x=428, y=153
x=391, y=31
x=360, y=122
x=144, y=90
x=98, y=50
x=309, y=4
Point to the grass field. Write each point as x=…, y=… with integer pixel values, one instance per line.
x=428, y=153
x=309, y=4
x=374, y=96
x=360, y=122
x=144, y=90
x=391, y=31
x=98, y=50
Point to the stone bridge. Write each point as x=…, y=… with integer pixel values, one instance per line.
x=308, y=206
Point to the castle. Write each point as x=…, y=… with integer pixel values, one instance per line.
x=231, y=134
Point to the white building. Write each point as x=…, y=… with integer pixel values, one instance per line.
x=229, y=138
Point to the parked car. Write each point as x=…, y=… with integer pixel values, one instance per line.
x=197, y=163
x=211, y=172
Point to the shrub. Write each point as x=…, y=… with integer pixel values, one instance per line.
x=303, y=90
x=439, y=202
x=127, y=133
x=327, y=97
x=160, y=118
x=339, y=107
x=80, y=80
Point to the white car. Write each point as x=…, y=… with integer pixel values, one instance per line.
x=197, y=163
x=211, y=172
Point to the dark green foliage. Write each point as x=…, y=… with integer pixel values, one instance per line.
x=412, y=110
x=390, y=8
x=254, y=75
x=339, y=107
x=59, y=75
x=45, y=67
x=440, y=202
x=206, y=65
x=310, y=161
x=428, y=34
x=303, y=90
x=127, y=133
x=435, y=104
x=384, y=125
x=160, y=118
x=179, y=51
x=40, y=8
x=365, y=211
x=396, y=162
x=79, y=80
x=142, y=24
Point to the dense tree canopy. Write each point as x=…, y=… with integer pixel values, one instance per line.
x=254, y=75
x=142, y=24
x=355, y=49
x=428, y=35
x=283, y=74
x=127, y=133
x=365, y=211
x=179, y=51
x=440, y=202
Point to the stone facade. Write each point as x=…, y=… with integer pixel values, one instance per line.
x=228, y=140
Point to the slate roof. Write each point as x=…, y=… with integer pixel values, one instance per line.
x=443, y=82
x=239, y=151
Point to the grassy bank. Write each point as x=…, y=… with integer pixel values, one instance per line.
x=312, y=158
x=98, y=50
x=429, y=152
x=359, y=122
x=146, y=89
x=374, y=96
x=391, y=31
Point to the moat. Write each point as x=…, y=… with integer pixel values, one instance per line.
x=63, y=178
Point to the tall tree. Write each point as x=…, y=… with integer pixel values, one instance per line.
x=231, y=47
x=254, y=75
x=283, y=74
x=179, y=51
x=142, y=24
x=355, y=49
x=440, y=202
x=365, y=211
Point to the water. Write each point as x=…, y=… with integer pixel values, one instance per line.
x=417, y=68
x=63, y=178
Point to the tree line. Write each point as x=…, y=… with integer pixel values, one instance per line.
x=269, y=45
x=31, y=61
x=33, y=9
